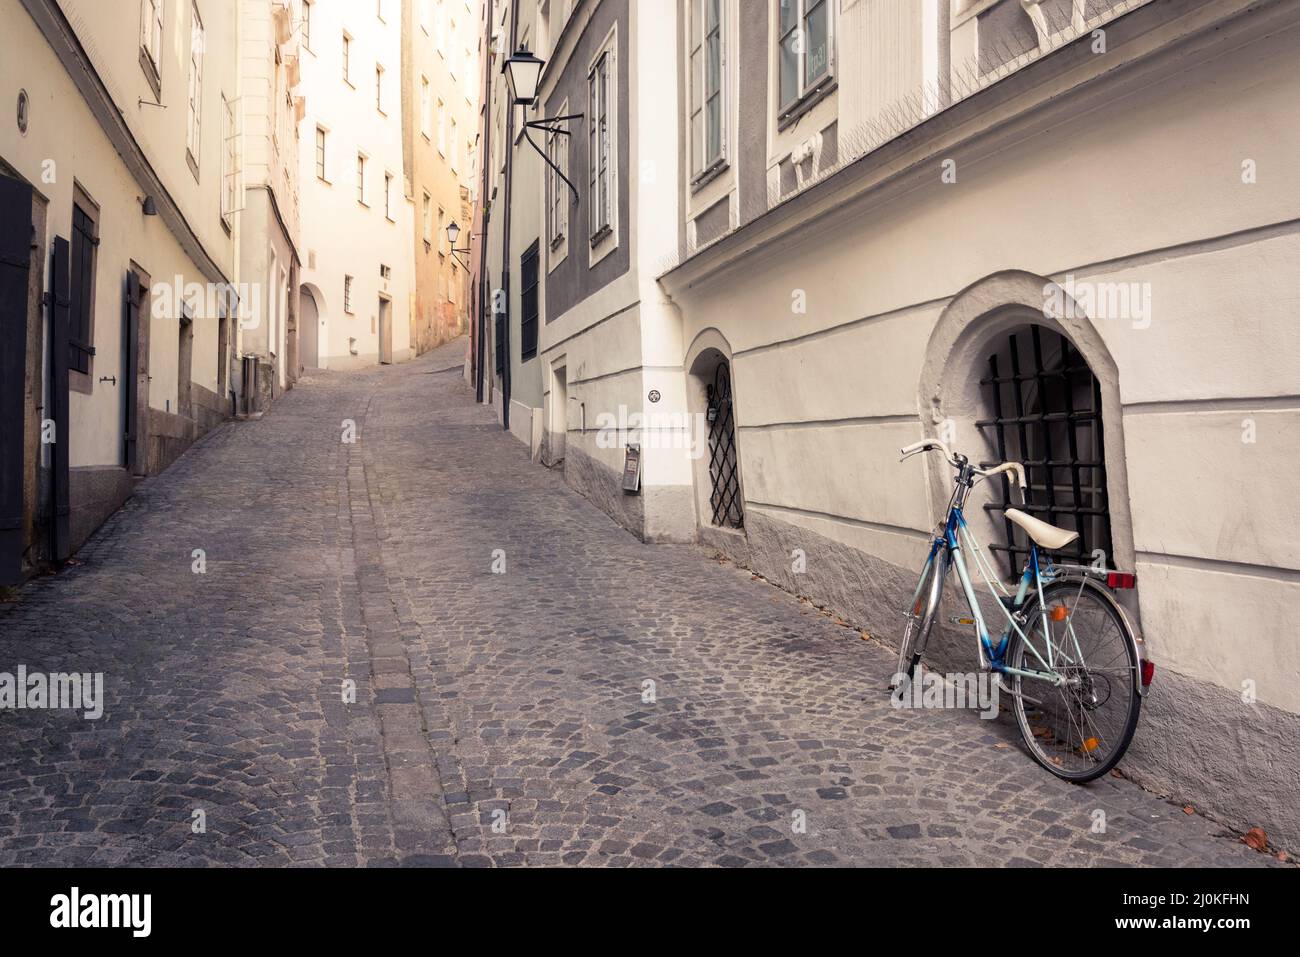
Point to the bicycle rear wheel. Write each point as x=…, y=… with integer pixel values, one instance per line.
x=1081, y=729
x=920, y=615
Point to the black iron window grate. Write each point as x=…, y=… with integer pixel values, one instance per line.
x=724, y=470
x=1046, y=406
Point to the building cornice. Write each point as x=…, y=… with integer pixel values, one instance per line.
x=1153, y=41
x=58, y=32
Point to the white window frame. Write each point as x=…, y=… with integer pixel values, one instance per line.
x=322, y=155
x=704, y=166
x=306, y=23
x=388, y=196
x=602, y=186
x=426, y=219
x=347, y=296
x=426, y=108
x=229, y=161
x=558, y=196
x=379, y=89
x=151, y=40
x=363, y=195
x=346, y=51
x=442, y=127
x=194, y=125
x=805, y=91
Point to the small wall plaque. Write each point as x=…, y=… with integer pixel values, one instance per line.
x=24, y=106
x=654, y=395
x=632, y=469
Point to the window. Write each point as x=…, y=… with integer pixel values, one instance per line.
x=229, y=161
x=361, y=179
x=1043, y=408
x=379, y=9
x=347, y=294
x=424, y=15
x=306, y=24
x=81, y=316
x=151, y=39
x=427, y=219
x=426, y=108
x=601, y=163
x=707, y=66
x=528, y=303
x=453, y=144
x=442, y=128
x=805, y=38
x=388, y=196
x=347, y=59
x=194, y=127
x=379, y=88
x=320, y=155
x=557, y=151
x=442, y=233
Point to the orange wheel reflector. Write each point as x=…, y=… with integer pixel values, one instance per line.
x=917, y=609
x=1090, y=745
x=1059, y=613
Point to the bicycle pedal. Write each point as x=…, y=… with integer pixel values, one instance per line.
x=956, y=620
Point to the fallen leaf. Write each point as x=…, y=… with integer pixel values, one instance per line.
x=1189, y=810
x=1256, y=839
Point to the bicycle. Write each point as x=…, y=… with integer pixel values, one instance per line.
x=1069, y=657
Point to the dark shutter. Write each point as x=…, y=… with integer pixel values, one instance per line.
x=80, y=347
x=131, y=365
x=528, y=302
x=15, y=259
x=61, y=540
x=500, y=339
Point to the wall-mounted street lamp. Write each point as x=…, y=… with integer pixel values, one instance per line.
x=523, y=73
x=453, y=234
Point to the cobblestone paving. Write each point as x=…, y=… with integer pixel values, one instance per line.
x=498, y=718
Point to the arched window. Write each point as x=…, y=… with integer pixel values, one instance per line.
x=1043, y=408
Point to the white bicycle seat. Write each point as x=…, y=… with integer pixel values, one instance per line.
x=1047, y=536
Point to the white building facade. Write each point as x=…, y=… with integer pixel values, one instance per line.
x=357, y=226
x=836, y=227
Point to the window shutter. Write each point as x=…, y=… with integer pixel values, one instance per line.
x=15, y=264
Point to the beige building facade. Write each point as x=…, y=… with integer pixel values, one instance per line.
x=114, y=165
x=440, y=87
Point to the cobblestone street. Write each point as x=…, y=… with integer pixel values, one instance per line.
x=498, y=718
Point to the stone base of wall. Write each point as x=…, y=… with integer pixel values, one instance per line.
x=95, y=493
x=604, y=487
x=171, y=434
x=1196, y=743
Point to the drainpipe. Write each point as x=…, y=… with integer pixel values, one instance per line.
x=484, y=294
x=505, y=233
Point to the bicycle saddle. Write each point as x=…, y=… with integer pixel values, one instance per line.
x=1047, y=536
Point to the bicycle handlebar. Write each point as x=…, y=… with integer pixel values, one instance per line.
x=1016, y=470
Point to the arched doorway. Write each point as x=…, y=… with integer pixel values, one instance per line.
x=720, y=500
x=308, y=330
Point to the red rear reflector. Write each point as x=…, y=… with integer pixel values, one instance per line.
x=1148, y=672
x=1121, y=580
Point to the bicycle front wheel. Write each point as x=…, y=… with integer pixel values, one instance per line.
x=1080, y=728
